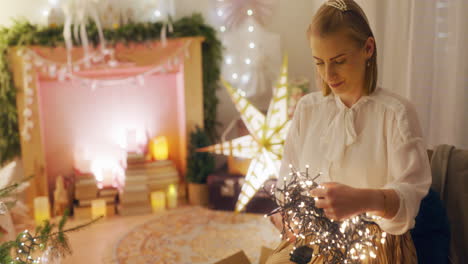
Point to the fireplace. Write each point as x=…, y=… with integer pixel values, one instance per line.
x=91, y=118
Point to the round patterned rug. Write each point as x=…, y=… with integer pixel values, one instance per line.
x=196, y=235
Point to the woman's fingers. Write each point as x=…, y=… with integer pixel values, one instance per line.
x=330, y=213
x=323, y=190
x=321, y=203
x=319, y=192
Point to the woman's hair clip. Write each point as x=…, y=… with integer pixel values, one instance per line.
x=338, y=4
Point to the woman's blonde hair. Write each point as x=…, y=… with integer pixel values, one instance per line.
x=331, y=19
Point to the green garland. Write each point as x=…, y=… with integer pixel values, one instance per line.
x=199, y=164
x=24, y=33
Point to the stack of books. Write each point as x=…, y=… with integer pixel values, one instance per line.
x=141, y=178
x=157, y=175
x=135, y=158
x=134, y=199
x=86, y=191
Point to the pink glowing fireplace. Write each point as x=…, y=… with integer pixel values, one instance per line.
x=89, y=120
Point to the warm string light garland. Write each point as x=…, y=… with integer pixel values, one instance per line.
x=230, y=59
x=349, y=241
x=28, y=123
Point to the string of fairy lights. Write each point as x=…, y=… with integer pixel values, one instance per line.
x=350, y=241
x=234, y=74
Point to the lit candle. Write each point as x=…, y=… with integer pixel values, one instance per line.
x=98, y=208
x=158, y=201
x=41, y=209
x=160, y=149
x=171, y=196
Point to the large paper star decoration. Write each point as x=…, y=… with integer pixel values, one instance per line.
x=265, y=143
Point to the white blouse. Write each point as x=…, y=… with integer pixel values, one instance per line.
x=377, y=143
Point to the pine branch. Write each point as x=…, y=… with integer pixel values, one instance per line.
x=26, y=247
x=4, y=192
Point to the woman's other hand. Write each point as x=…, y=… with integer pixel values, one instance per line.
x=338, y=201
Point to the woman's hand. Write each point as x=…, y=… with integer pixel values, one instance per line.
x=339, y=201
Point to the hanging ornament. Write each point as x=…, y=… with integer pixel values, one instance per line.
x=77, y=13
x=52, y=70
x=29, y=101
x=29, y=92
x=265, y=143
x=27, y=112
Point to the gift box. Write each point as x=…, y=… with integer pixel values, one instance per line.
x=241, y=258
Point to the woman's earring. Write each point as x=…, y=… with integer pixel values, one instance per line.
x=368, y=63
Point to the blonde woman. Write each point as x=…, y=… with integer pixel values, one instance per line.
x=366, y=140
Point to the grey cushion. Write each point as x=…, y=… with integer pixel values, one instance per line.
x=450, y=178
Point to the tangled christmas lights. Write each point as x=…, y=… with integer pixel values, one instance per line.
x=349, y=241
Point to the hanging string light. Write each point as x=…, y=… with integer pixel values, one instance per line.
x=233, y=15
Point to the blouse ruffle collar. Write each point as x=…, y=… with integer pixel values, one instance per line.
x=341, y=131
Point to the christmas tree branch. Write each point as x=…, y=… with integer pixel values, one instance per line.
x=4, y=192
x=26, y=248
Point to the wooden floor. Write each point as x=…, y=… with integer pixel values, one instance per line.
x=92, y=244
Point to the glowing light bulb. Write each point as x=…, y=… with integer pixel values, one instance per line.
x=249, y=12
x=247, y=61
x=242, y=93
x=251, y=28
x=220, y=12
x=235, y=76
x=222, y=28
x=245, y=78
x=252, y=45
x=157, y=13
